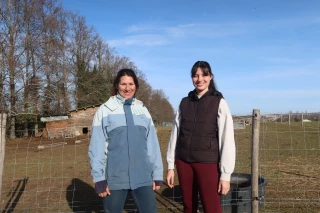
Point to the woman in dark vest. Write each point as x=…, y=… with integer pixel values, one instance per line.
x=202, y=144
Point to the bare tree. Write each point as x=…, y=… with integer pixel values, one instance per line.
x=51, y=61
x=83, y=48
x=12, y=48
x=145, y=91
x=3, y=74
x=28, y=7
x=160, y=107
x=35, y=62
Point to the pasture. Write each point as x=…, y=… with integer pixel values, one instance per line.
x=57, y=178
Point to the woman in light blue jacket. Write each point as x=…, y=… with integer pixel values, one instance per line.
x=124, y=150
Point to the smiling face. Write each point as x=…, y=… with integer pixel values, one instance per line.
x=201, y=81
x=126, y=87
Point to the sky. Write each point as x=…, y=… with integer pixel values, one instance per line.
x=263, y=54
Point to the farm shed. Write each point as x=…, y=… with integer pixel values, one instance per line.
x=54, y=126
x=81, y=119
x=77, y=122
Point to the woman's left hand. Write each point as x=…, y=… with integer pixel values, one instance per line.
x=224, y=187
x=154, y=187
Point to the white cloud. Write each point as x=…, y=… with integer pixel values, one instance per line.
x=140, y=40
x=278, y=73
x=143, y=29
x=276, y=93
x=282, y=60
x=186, y=30
x=281, y=74
x=158, y=34
x=133, y=28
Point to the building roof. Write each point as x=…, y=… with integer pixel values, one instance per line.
x=83, y=108
x=54, y=118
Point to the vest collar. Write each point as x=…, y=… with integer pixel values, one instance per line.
x=193, y=94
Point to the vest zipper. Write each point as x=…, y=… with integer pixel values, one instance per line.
x=194, y=126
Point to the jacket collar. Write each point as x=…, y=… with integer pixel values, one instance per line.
x=117, y=100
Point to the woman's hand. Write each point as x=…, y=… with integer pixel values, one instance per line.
x=154, y=187
x=106, y=193
x=224, y=187
x=170, y=178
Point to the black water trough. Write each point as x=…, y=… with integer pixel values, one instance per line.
x=238, y=199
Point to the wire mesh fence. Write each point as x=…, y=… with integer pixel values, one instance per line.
x=56, y=177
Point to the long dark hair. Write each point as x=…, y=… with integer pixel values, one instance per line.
x=206, y=70
x=124, y=72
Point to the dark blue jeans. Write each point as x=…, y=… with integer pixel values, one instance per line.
x=143, y=198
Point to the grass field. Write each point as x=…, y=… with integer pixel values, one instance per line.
x=58, y=179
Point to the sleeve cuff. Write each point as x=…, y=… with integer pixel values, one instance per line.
x=170, y=165
x=158, y=182
x=101, y=186
x=225, y=176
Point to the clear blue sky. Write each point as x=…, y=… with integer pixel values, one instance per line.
x=265, y=54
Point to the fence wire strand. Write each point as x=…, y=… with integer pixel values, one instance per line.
x=53, y=174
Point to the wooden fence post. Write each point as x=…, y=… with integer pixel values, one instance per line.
x=289, y=118
x=255, y=161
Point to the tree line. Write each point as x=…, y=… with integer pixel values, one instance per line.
x=52, y=61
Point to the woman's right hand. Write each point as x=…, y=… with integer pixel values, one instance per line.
x=106, y=193
x=170, y=178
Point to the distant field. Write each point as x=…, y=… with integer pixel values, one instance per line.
x=289, y=160
x=58, y=179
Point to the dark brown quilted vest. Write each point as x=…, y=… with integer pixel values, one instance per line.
x=198, y=137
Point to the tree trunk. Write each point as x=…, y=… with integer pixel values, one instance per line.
x=26, y=80
x=12, y=88
x=35, y=93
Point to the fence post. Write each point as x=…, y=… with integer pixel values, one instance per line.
x=255, y=160
x=3, y=120
x=289, y=118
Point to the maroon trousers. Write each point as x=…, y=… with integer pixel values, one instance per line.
x=202, y=178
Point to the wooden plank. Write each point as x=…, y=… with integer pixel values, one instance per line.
x=51, y=145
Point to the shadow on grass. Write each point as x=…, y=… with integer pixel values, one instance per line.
x=15, y=195
x=174, y=197
x=82, y=197
x=173, y=194
x=293, y=173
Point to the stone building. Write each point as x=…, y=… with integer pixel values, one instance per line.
x=76, y=123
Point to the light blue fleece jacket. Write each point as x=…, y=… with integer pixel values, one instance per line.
x=124, y=148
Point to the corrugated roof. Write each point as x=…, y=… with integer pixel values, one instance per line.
x=54, y=118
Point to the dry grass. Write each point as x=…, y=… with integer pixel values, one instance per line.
x=58, y=179
x=289, y=160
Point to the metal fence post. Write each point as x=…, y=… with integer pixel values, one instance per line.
x=3, y=120
x=255, y=160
